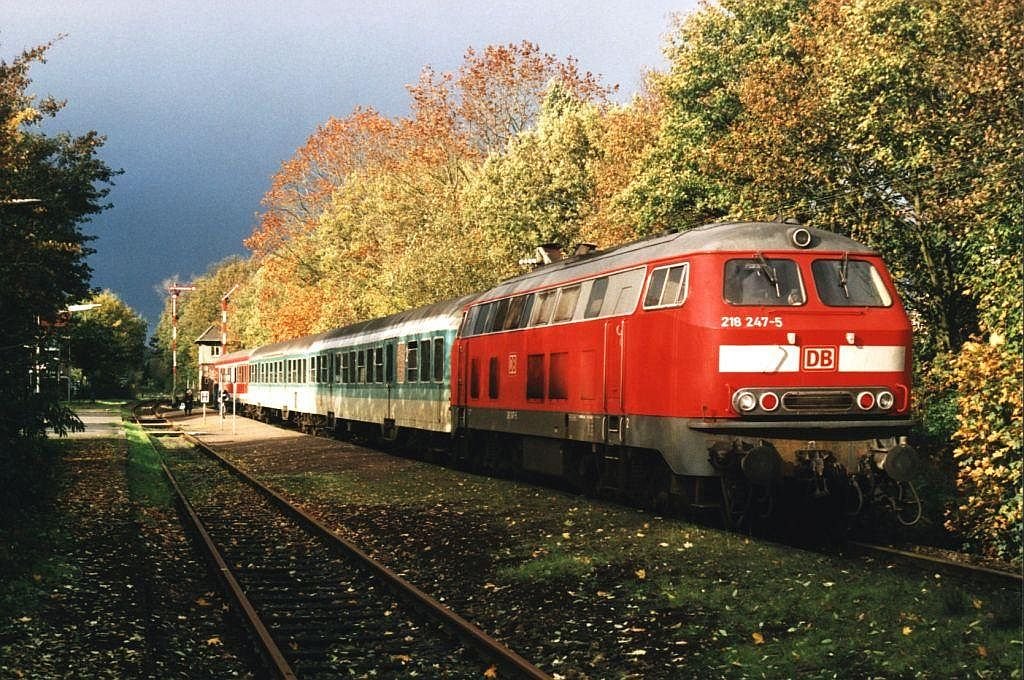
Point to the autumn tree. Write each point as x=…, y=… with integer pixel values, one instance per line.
x=385, y=228
x=50, y=185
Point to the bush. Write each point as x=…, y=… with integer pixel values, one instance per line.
x=988, y=450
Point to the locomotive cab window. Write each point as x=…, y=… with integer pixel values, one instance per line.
x=760, y=281
x=849, y=283
x=668, y=286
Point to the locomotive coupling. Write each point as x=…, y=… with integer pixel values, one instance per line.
x=901, y=462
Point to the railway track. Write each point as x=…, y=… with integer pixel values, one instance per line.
x=316, y=604
x=928, y=562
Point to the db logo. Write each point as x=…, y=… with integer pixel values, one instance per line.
x=819, y=358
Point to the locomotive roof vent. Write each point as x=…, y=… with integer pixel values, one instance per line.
x=801, y=237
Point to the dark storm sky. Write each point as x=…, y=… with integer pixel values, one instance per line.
x=201, y=101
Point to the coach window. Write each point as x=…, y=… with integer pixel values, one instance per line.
x=360, y=376
x=493, y=375
x=425, y=360
x=567, y=299
x=412, y=362
x=389, y=363
x=474, y=378
x=668, y=286
x=378, y=364
x=438, y=359
x=535, y=377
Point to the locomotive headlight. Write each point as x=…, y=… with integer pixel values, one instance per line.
x=865, y=400
x=885, y=400
x=769, y=401
x=744, y=401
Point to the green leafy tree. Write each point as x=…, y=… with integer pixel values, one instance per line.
x=541, y=188
x=108, y=344
x=49, y=187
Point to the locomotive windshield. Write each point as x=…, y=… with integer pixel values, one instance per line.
x=849, y=283
x=760, y=281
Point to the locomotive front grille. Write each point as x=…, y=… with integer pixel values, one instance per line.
x=817, y=401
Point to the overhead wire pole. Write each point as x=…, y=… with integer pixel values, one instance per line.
x=175, y=289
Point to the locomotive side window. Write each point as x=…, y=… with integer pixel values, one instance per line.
x=668, y=286
x=498, y=317
x=760, y=281
x=567, y=299
x=849, y=283
x=596, y=298
x=514, y=318
x=482, y=324
x=543, y=308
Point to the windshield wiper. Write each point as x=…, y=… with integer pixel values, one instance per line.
x=843, y=270
x=769, y=273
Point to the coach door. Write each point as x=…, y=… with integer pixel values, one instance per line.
x=614, y=367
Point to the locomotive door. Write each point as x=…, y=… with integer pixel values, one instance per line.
x=614, y=367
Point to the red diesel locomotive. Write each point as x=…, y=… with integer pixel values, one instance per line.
x=729, y=366
x=719, y=366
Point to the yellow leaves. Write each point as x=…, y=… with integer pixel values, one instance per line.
x=214, y=641
x=757, y=637
x=907, y=630
x=641, y=574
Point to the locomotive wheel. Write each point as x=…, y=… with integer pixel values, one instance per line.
x=735, y=502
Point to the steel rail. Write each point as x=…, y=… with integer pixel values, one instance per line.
x=268, y=647
x=490, y=647
x=935, y=562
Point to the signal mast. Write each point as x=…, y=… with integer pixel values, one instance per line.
x=176, y=289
